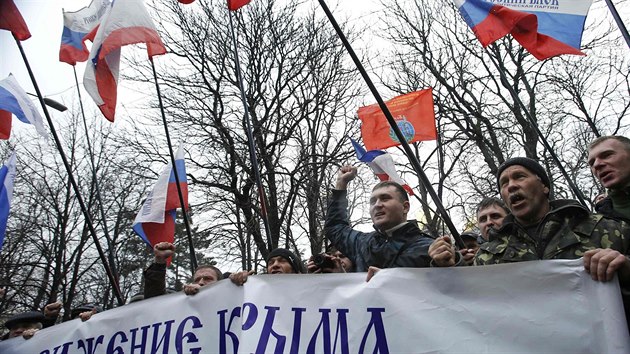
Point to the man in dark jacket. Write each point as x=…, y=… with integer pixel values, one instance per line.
x=155, y=274
x=609, y=158
x=395, y=242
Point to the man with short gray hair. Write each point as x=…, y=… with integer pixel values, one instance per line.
x=609, y=159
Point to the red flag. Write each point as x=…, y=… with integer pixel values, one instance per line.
x=11, y=19
x=413, y=113
x=234, y=5
x=186, y=1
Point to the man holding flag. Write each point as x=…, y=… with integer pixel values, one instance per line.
x=396, y=242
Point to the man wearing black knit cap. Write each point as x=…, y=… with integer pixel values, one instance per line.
x=538, y=228
x=283, y=261
x=279, y=261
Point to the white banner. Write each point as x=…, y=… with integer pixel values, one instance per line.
x=531, y=307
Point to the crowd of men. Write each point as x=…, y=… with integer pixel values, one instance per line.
x=526, y=224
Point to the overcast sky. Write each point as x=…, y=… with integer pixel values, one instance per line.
x=44, y=19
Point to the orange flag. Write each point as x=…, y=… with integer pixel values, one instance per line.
x=413, y=113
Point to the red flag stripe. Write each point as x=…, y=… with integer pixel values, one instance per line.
x=234, y=5
x=12, y=20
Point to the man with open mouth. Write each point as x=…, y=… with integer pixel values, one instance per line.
x=540, y=228
x=609, y=158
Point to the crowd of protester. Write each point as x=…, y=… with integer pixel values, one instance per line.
x=526, y=224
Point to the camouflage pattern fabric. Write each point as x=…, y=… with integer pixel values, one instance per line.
x=566, y=232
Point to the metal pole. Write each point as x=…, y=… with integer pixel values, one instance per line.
x=541, y=137
x=88, y=220
x=191, y=248
x=620, y=24
x=410, y=155
x=250, y=136
x=110, y=249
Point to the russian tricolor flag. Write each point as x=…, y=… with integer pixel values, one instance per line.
x=381, y=163
x=7, y=174
x=156, y=220
x=545, y=28
x=76, y=26
x=14, y=100
x=125, y=22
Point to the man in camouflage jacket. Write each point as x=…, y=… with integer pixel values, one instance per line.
x=609, y=159
x=537, y=228
x=567, y=231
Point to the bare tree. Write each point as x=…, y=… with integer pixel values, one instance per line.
x=298, y=89
x=482, y=120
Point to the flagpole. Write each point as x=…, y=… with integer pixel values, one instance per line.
x=110, y=250
x=74, y=184
x=191, y=248
x=541, y=137
x=620, y=24
x=250, y=136
x=410, y=155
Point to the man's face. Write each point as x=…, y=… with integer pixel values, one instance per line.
x=205, y=276
x=524, y=194
x=490, y=217
x=386, y=208
x=279, y=265
x=20, y=327
x=470, y=243
x=610, y=163
x=346, y=263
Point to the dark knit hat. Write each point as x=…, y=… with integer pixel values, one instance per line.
x=24, y=317
x=470, y=234
x=289, y=256
x=75, y=312
x=529, y=164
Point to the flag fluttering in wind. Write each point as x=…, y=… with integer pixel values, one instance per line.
x=11, y=19
x=381, y=163
x=125, y=22
x=414, y=116
x=544, y=28
x=156, y=220
x=7, y=174
x=234, y=5
x=76, y=26
x=14, y=100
